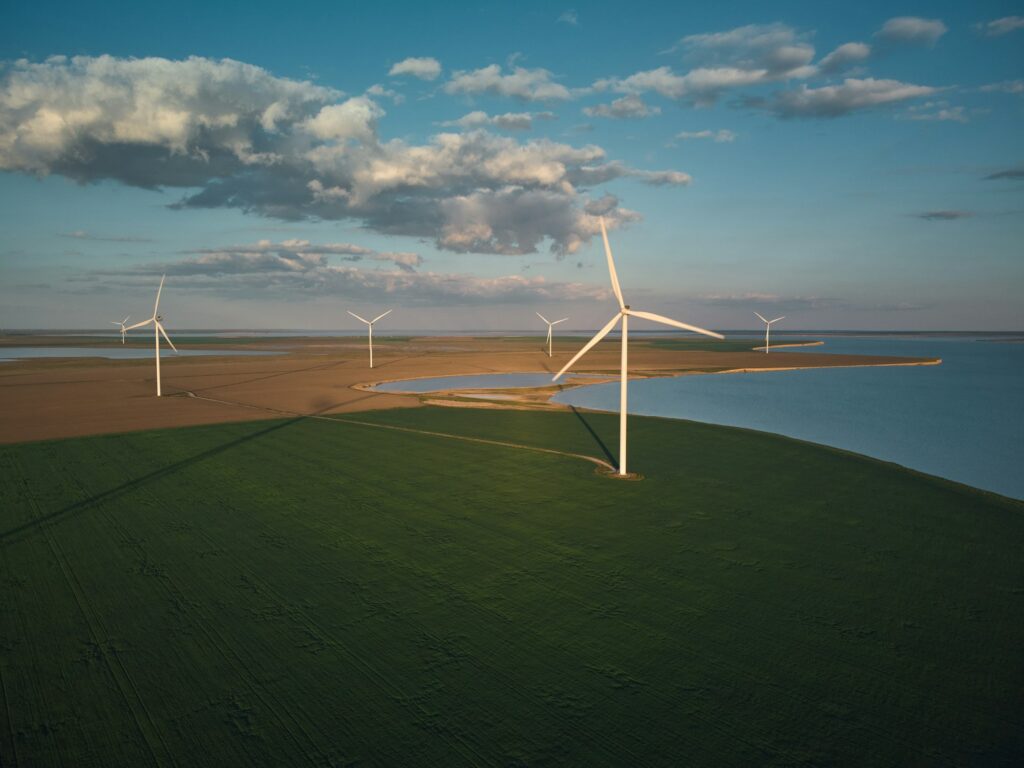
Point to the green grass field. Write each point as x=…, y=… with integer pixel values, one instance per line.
x=315, y=592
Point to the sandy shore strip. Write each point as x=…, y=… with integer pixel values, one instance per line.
x=57, y=398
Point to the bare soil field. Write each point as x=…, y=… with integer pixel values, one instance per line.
x=53, y=398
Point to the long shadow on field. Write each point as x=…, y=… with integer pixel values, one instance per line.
x=593, y=434
x=79, y=506
x=276, y=374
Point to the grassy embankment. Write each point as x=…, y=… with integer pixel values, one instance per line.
x=307, y=592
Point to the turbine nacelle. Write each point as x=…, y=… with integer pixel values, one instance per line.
x=625, y=312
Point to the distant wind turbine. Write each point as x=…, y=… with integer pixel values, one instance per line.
x=158, y=330
x=768, y=328
x=624, y=314
x=121, y=323
x=550, y=326
x=369, y=325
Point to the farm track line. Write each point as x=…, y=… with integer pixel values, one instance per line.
x=479, y=440
x=173, y=589
x=147, y=729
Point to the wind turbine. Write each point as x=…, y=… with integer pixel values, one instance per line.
x=158, y=329
x=768, y=328
x=121, y=323
x=550, y=326
x=369, y=325
x=624, y=314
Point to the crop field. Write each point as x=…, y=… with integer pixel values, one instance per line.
x=332, y=593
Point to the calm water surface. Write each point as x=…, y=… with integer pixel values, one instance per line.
x=963, y=420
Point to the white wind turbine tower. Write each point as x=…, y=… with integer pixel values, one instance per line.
x=121, y=323
x=158, y=329
x=768, y=328
x=550, y=326
x=624, y=314
x=369, y=325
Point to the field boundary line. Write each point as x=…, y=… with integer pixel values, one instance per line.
x=466, y=438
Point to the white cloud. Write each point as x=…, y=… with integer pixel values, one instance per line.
x=1001, y=26
x=63, y=114
x=912, y=29
x=722, y=135
x=520, y=83
x=744, y=56
x=776, y=48
x=630, y=106
x=235, y=136
x=836, y=100
x=354, y=119
x=287, y=255
x=569, y=17
x=244, y=275
x=1007, y=86
x=81, y=234
x=425, y=68
x=844, y=56
x=510, y=121
x=936, y=111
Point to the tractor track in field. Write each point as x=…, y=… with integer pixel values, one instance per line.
x=601, y=463
x=122, y=679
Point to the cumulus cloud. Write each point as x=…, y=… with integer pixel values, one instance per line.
x=776, y=49
x=235, y=136
x=631, y=106
x=837, y=100
x=569, y=17
x=943, y=215
x=745, y=56
x=722, y=135
x=1001, y=26
x=844, y=56
x=425, y=68
x=510, y=121
x=520, y=83
x=912, y=29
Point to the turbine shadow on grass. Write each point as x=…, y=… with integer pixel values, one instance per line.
x=593, y=434
x=80, y=506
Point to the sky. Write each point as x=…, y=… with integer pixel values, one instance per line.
x=848, y=167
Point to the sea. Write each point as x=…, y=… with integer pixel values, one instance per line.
x=962, y=420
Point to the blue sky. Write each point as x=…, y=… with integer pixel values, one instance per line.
x=850, y=168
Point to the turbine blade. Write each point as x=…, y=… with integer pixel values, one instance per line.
x=378, y=317
x=357, y=317
x=125, y=319
x=560, y=321
x=541, y=316
x=166, y=337
x=669, y=321
x=140, y=325
x=611, y=265
x=600, y=335
x=115, y=322
x=761, y=316
x=777, y=319
x=158, y=291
